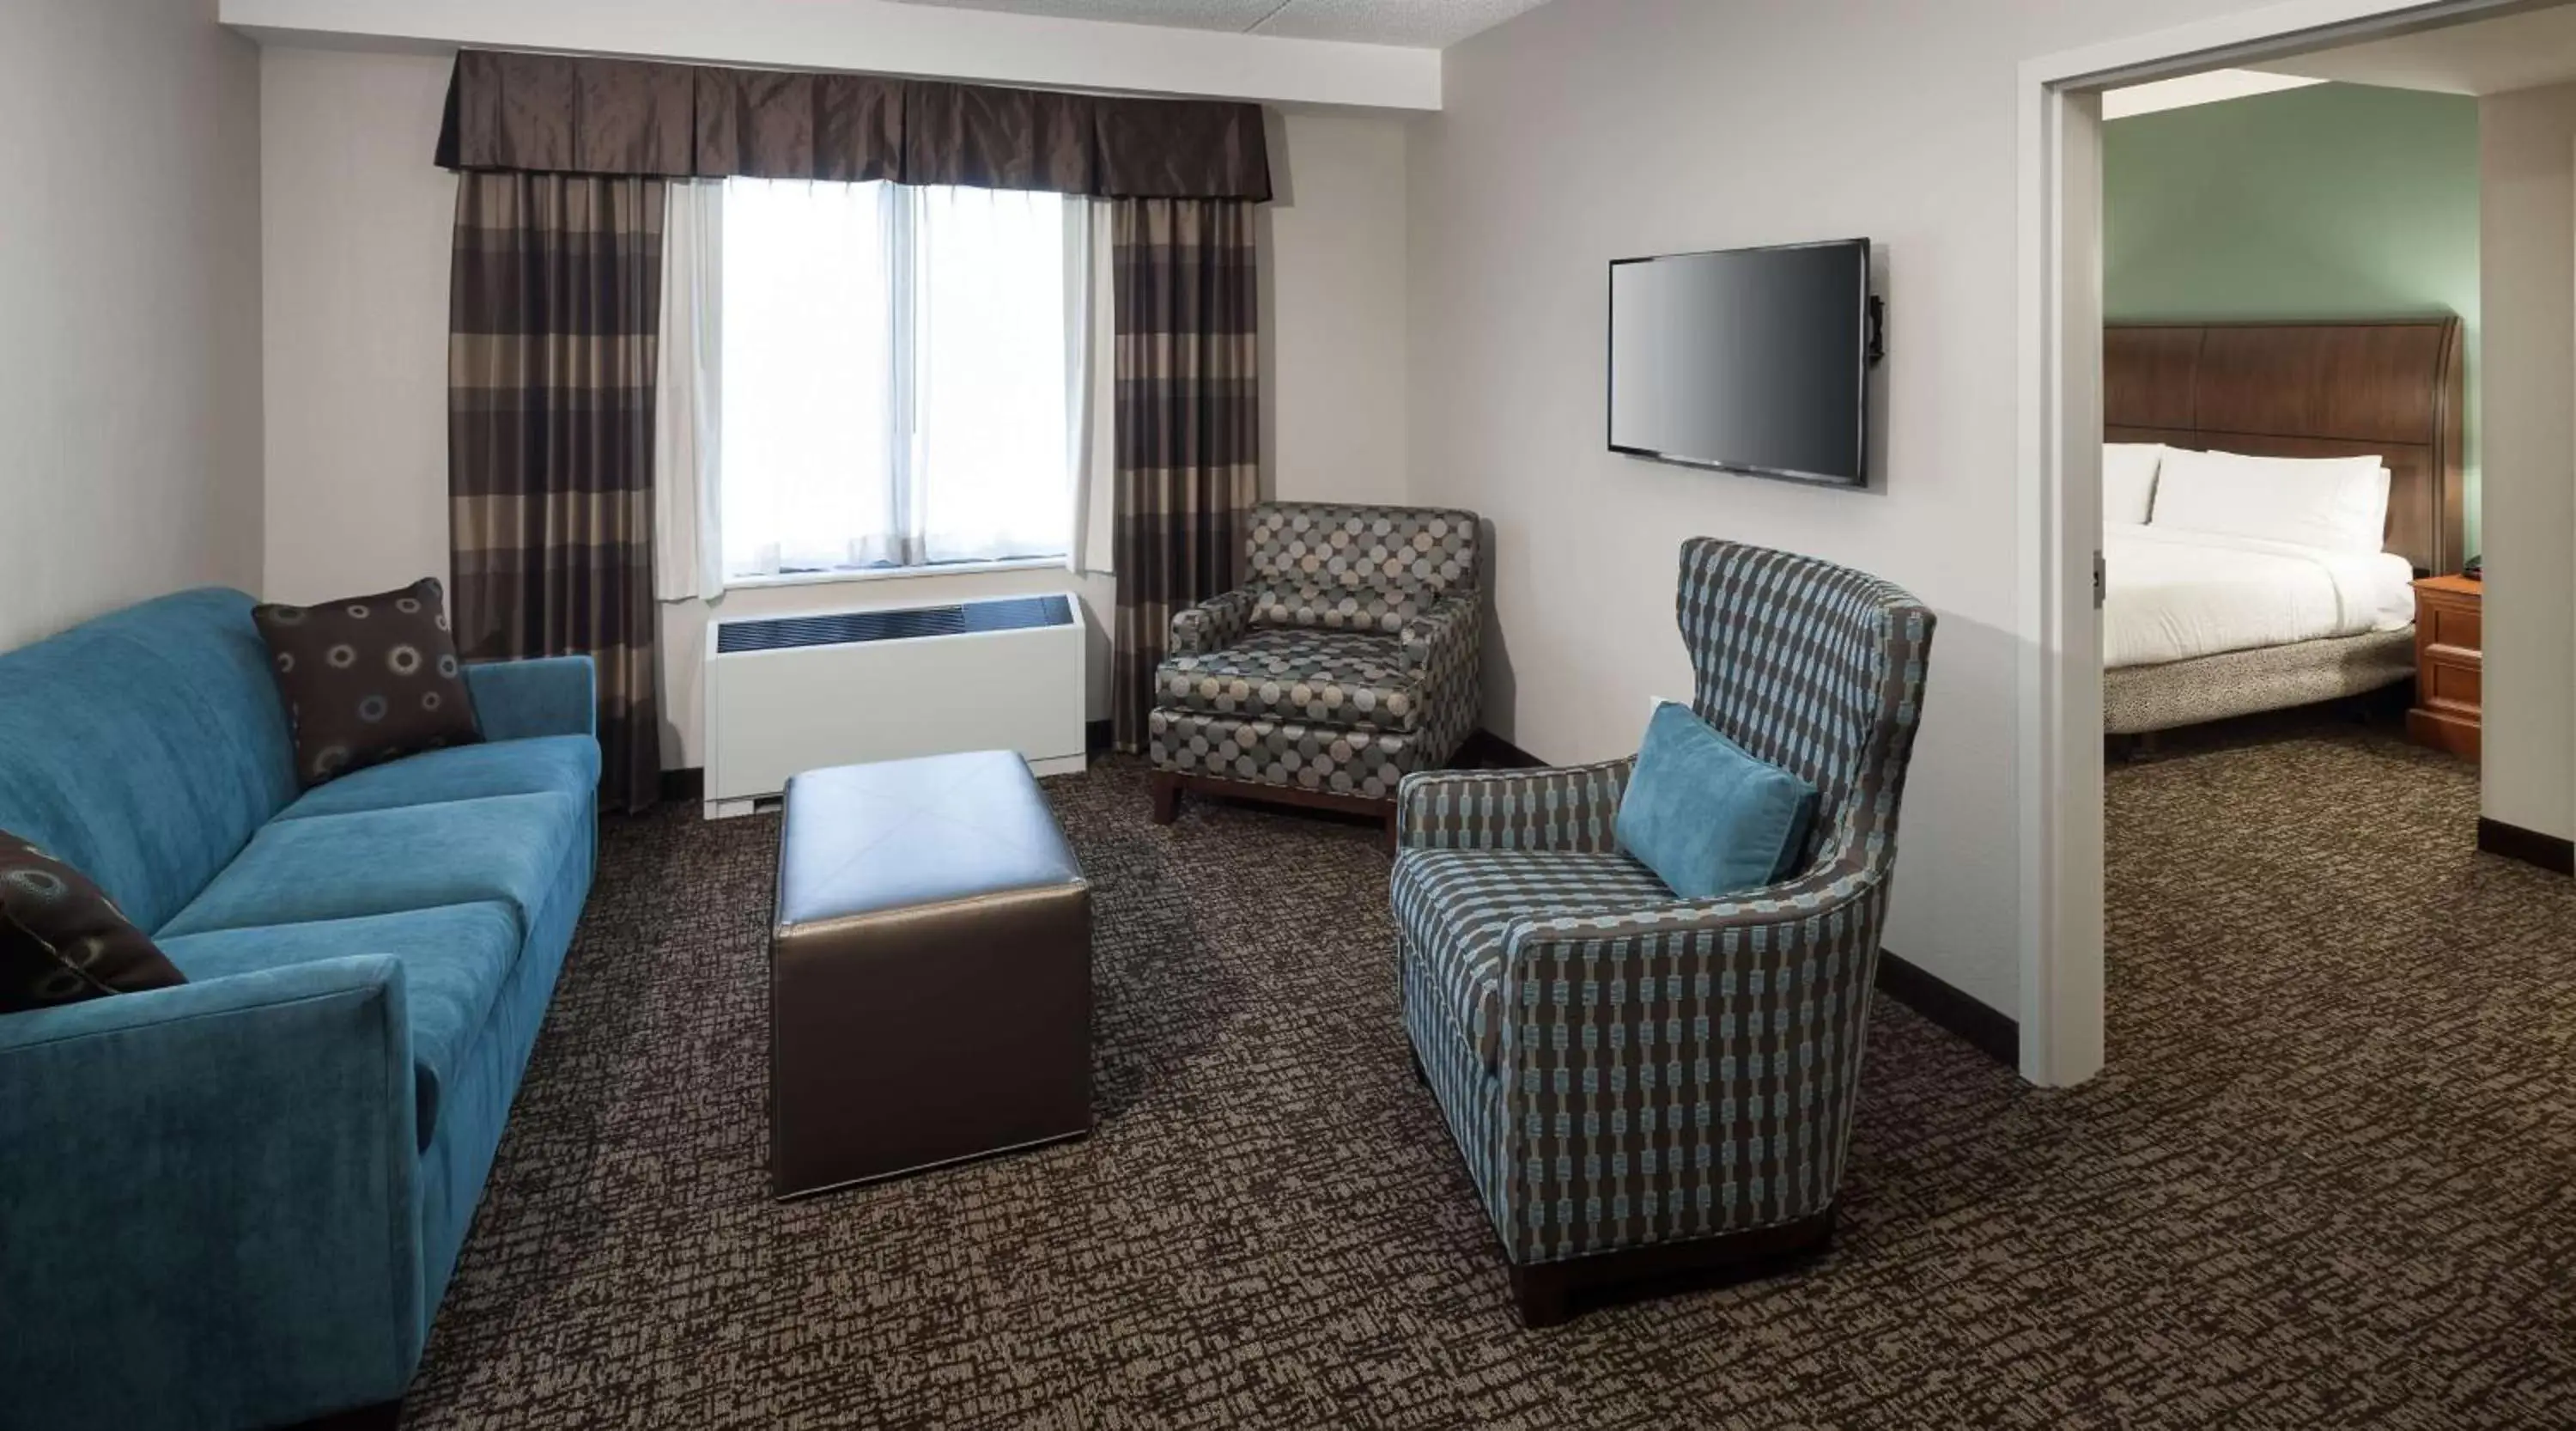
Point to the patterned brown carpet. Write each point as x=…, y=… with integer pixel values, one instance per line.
x=2327, y=1180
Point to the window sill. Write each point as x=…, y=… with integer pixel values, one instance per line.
x=892, y=573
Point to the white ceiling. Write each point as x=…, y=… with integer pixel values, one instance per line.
x=1420, y=24
x=2488, y=57
x=2207, y=87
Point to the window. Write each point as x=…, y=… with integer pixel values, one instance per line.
x=902, y=375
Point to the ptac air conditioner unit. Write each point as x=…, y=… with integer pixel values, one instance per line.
x=794, y=693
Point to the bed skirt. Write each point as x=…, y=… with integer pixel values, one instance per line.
x=2137, y=699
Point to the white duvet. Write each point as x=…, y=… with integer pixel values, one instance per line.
x=2170, y=595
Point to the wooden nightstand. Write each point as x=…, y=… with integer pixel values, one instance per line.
x=2449, y=662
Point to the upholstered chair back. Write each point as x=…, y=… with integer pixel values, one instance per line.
x=1340, y=566
x=1816, y=668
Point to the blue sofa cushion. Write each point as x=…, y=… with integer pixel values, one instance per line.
x=144, y=748
x=62, y=939
x=552, y=764
x=504, y=847
x=474, y=1103
x=1706, y=817
x=455, y=959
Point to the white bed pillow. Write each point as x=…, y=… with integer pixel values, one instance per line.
x=2333, y=503
x=2129, y=481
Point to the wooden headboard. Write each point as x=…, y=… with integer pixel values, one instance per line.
x=2308, y=389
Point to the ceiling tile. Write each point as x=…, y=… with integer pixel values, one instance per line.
x=1181, y=14
x=1428, y=24
x=1420, y=24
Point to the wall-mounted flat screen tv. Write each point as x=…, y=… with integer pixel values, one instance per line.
x=1754, y=360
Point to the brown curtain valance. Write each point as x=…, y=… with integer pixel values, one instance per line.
x=578, y=115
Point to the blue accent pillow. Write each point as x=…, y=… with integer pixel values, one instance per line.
x=1707, y=818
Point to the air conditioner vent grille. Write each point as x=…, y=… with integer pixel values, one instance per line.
x=849, y=628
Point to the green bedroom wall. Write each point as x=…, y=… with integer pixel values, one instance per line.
x=2334, y=201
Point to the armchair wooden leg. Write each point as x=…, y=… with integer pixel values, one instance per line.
x=383, y=1416
x=1167, y=797
x=1539, y=1295
x=2130, y=749
x=1548, y=1293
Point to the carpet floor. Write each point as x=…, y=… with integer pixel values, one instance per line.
x=2326, y=1180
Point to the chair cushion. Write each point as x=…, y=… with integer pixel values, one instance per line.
x=1335, y=544
x=1352, y=679
x=455, y=960
x=552, y=764
x=1456, y=905
x=1708, y=818
x=1332, y=606
x=506, y=847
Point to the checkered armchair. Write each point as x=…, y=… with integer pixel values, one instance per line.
x=1628, y=1071
x=1346, y=661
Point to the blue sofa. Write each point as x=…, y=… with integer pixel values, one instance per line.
x=237, y=1202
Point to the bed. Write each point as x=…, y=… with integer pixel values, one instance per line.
x=2202, y=625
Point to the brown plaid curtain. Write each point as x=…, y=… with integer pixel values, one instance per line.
x=1188, y=424
x=553, y=306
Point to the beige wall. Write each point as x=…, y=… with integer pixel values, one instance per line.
x=2527, y=229
x=129, y=307
x=1589, y=130
x=356, y=234
x=355, y=221
x=1333, y=310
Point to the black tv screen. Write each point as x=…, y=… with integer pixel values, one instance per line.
x=1753, y=359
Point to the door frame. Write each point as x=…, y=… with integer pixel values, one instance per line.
x=2059, y=369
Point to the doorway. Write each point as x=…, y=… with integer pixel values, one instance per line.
x=2061, y=456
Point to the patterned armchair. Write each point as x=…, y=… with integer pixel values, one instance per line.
x=1346, y=661
x=1644, y=1086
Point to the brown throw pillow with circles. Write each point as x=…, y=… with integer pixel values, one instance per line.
x=368, y=679
x=63, y=940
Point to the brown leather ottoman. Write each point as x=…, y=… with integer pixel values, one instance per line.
x=929, y=972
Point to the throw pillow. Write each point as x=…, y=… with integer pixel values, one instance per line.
x=368, y=679
x=62, y=939
x=1707, y=818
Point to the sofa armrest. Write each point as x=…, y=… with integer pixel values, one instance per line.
x=1684, y=1069
x=1571, y=808
x=1441, y=641
x=1212, y=625
x=547, y=695
x=210, y=1194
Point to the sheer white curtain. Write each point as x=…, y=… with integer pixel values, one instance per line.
x=904, y=375
x=994, y=412
x=1092, y=384
x=808, y=467
x=688, y=550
